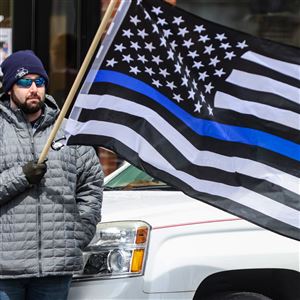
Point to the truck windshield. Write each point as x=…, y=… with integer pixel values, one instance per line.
x=132, y=178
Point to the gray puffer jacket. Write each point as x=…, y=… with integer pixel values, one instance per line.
x=44, y=227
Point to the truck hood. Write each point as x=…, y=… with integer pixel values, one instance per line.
x=158, y=208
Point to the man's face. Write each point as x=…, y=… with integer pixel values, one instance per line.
x=29, y=99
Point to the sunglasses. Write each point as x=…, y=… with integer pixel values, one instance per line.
x=27, y=82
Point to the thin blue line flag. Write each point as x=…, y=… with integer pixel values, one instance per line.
x=210, y=110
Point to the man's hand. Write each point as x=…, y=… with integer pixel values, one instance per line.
x=34, y=171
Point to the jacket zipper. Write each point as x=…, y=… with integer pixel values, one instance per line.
x=39, y=237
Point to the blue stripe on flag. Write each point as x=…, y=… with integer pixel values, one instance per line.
x=202, y=127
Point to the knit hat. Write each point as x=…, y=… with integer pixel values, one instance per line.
x=19, y=64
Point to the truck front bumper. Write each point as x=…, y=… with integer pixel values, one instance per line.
x=121, y=288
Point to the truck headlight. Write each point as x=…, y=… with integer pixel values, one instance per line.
x=118, y=249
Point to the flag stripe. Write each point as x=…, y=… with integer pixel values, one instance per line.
x=262, y=111
x=205, y=143
x=260, y=97
x=221, y=115
x=196, y=167
x=147, y=153
x=286, y=68
x=217, y=201
x=184, y=146
x=264, y=84
x=248, y=66
x=205, y=127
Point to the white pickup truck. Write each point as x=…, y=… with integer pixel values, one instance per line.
x=156, y=243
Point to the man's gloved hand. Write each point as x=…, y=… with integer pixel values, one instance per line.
x=34, y=171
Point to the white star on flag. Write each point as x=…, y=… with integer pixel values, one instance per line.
x=135, y=20
x=199, y=28
x=198, y=107
x=178, y=20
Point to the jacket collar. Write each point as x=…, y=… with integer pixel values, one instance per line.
x=51, y=111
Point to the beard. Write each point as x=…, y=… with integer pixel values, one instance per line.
x=27, y=107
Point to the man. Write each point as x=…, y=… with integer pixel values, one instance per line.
x=49, y=210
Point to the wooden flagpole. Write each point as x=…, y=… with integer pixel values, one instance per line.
x=78, y=78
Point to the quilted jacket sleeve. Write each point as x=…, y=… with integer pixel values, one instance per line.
x=12, y=183
x=89, y=191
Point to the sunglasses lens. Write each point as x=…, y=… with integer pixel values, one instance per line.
x=39, y=82
x=26, y=82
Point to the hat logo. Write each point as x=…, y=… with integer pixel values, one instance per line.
x=21, y=72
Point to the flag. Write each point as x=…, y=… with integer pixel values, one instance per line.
x=207, y=109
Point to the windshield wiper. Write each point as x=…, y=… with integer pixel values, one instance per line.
x=151, y=187
x=140, y=188
x=113, y=188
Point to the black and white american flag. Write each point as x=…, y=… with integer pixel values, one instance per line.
x=207, y=109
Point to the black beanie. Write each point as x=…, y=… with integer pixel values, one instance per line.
x=19, y=64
